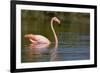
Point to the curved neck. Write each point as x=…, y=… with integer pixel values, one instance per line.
x=54, y=33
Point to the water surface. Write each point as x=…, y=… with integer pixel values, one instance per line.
x=70, y=47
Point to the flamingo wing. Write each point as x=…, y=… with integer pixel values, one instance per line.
x=37, y=41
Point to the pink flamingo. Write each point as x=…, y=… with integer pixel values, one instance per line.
x=39, y=41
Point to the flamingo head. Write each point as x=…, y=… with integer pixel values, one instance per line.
x=56, y=20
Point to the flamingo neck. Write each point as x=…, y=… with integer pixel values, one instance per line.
x=54, y=33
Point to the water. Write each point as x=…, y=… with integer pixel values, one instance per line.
x=72, y=46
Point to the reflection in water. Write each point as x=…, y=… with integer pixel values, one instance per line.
x=54, y=54
x=75, y=47
x=34, y=55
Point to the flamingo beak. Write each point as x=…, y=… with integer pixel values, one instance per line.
x=57, y=20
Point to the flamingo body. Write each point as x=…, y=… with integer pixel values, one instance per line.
x=37, y=41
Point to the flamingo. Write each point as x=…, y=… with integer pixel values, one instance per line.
x=39, y=41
